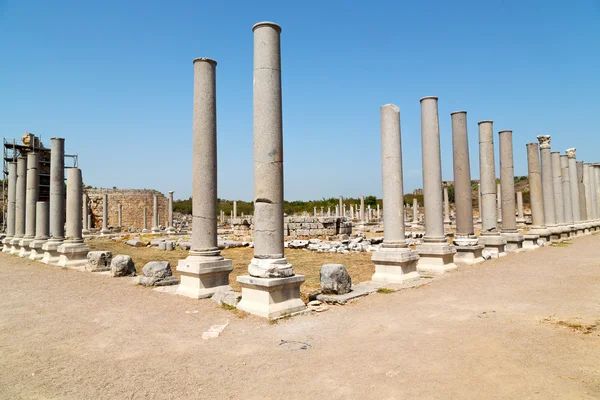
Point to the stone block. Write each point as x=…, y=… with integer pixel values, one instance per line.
x=335, y=279
x=98, y=261
x=122, y=265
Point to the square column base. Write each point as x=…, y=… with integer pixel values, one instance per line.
x=6, y=244
x=36, y=253
x=435, y=258
x=530, y=242
x=72, y=255
x=271, y=297
x=514, y=242
x=14, y=246
x=25, y=251
x=543, y=233
x=471, y=254
x=395, y=265
x=201, y=277
x=494, y=245
x=51, y=255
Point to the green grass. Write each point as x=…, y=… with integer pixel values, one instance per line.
x=385, y=290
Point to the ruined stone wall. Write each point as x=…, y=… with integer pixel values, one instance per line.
x=133, y=200
x=297, y=227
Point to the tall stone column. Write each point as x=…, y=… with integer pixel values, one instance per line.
x=548, y=188
x=337, y=211
x=499, y=203
x=479, y=203
x=514, y=240
x=145, y=226
x=593, y=195
x=559, y=207
x=538, y=226
x=42, y=230
x=341, y=206
x=468, y=251
x=447, y=220
x=597, y=175
x=155, y=226
x=170, y=227
x=20, y=205
x=73, y=252
x=57, y=201
x=574, y=183
x=205, y=271
x=120, y=216
x=394, y=261
x=582, y=199
x=362, y=209
x=105, y=230
x=86, y=214
x=272, y=289
x=490, y=235
x=235, y=209
x=11, y=207
x=436, y=255
x=329, y=211
x=567, y=198
x=587, y=187
x=31, y=198
x=520, y=216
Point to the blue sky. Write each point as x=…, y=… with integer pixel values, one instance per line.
x=114, y=79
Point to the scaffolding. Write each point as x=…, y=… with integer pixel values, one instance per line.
x=14, y=149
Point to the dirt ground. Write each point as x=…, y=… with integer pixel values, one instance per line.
x=521, y=327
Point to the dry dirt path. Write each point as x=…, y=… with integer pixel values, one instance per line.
x=522, y=327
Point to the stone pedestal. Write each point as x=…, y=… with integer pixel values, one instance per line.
x=530, y=242
x=543, y=234
x=202, y=276
x=42, y=231
x=514, y=242
x=494, y=245
x=395, y=265
x=271, y=297
x=468, y=250
x=435, y=258
x=50, y=248
x=73, y=252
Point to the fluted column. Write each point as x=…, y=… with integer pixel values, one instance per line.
x=415, y=211
x=581, y=189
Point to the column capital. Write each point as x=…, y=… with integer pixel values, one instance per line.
x=571, y=153
x=544, y=141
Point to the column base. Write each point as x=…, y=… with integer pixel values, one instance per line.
x=72, y=255
x=572, y=231
x=564, y=232
x=494, y=245
x=6, y=244
x=25, y=251
x=14, y=245
x=36, y=249
x=271, y=297
x=51, y=255
x=555, y=231
x=468, y=253
x=514, y=242
x=156, y=230
x=435, y=258
x=201, y=276
x=170, y=230
x=270, y=268
x=530, y=242
x=395, y=265
x=105, y=232
x=543, y=233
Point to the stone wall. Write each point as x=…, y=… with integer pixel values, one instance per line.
x=297, y=227
x=133, y=200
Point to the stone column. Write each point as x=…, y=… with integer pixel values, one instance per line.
x=587, y=188
x=379, y=212
x=343, y=210
x=73, y=252
x=351, y=211
x=341, y=206
x=597, y=176
x=155, y=226
x=362, y=208
x=86, y=214
x=468, y=251
x=205, y=271
x=329, y=211
x=337, y=211
x=57, y=201
x=315, y=212
x=31, y=198
x=447, y=220
x=490, y=236
x=548, y=188
x=436, y=255
x=574, y=183
x=593, y=195
x=20, y=205
x=322, y=213
x=42, y=230
x=394, y=261
x=235, y=209
x=11, y=207
x=538, y=226
x=145, y=227
x=105, y=230
x=559, y=207
x=582, y=199
x=520, y=216
x=272, y=289
x=498, y=203
x=479, y=220
x=170, y=227
x=415, y=212
x=567, y=198
x=120, y=216
x=514, y=240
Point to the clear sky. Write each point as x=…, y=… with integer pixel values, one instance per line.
x=114, y=78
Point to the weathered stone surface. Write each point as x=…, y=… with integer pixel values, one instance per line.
x=153, y=281
x=135, y=242
x=122, y=265
x=298, y=244
x=168, y=245
x=157, y=269
x=335, y=279
x=98, y=261
x=228, y=297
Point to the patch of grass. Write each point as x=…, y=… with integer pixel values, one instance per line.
x=577, y=326
x=562, y=244
x=385, y=290
x=227, y=307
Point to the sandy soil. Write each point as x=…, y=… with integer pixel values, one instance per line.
x=522, y=327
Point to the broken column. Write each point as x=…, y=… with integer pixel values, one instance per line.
x=490, y=236
x=520, y=215
x=105, y=230
x=362, y=209
x=31, y=198
x=479, y=203
x=73, y=252
x=155, y=226
x=559, y=207
x=567, y=198
x=538, y=226
x=205, y=271
x=468, y=250
x=42, y=231
x=394, y=261
x=145, y=227
x=436, y=255
x=271, y=289
x=514, y=240
x=11, y=207
x=20, y=205
x=170, y=227
x=57, y=201
x=548, y=188
x=86, y=214
x=574, y=182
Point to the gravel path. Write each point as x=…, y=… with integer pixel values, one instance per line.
x=522, y=327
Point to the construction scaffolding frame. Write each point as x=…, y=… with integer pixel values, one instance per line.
x=12, y=150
